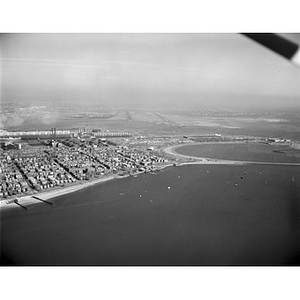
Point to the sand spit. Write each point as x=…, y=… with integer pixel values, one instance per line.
x=171, y=150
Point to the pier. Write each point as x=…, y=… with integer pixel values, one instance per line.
x=17, y=202
x=37, y=198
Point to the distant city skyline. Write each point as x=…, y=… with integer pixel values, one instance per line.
x=146, y=69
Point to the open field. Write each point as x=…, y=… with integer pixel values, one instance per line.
x=157, y=122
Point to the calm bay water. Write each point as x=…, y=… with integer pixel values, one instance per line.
x=203, y=219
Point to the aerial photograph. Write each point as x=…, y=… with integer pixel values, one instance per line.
x=150, y=149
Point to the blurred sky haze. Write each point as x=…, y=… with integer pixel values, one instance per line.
x=222, y=70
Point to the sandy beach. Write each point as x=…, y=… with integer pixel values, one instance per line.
x=29, y=200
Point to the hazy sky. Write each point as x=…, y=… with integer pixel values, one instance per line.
x=146, y=68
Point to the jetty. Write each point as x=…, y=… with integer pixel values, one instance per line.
x=17, y=202
x=37, y=198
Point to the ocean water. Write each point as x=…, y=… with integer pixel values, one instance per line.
x=188, y=215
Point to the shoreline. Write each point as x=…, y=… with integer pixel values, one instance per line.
x=171, y=150
x=28, y=200
x=50, y=194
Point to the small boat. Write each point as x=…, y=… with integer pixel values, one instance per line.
x=293, y=179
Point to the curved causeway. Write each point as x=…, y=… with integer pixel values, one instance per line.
x=236, y=153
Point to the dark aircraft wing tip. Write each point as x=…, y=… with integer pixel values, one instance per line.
x=278, y=44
